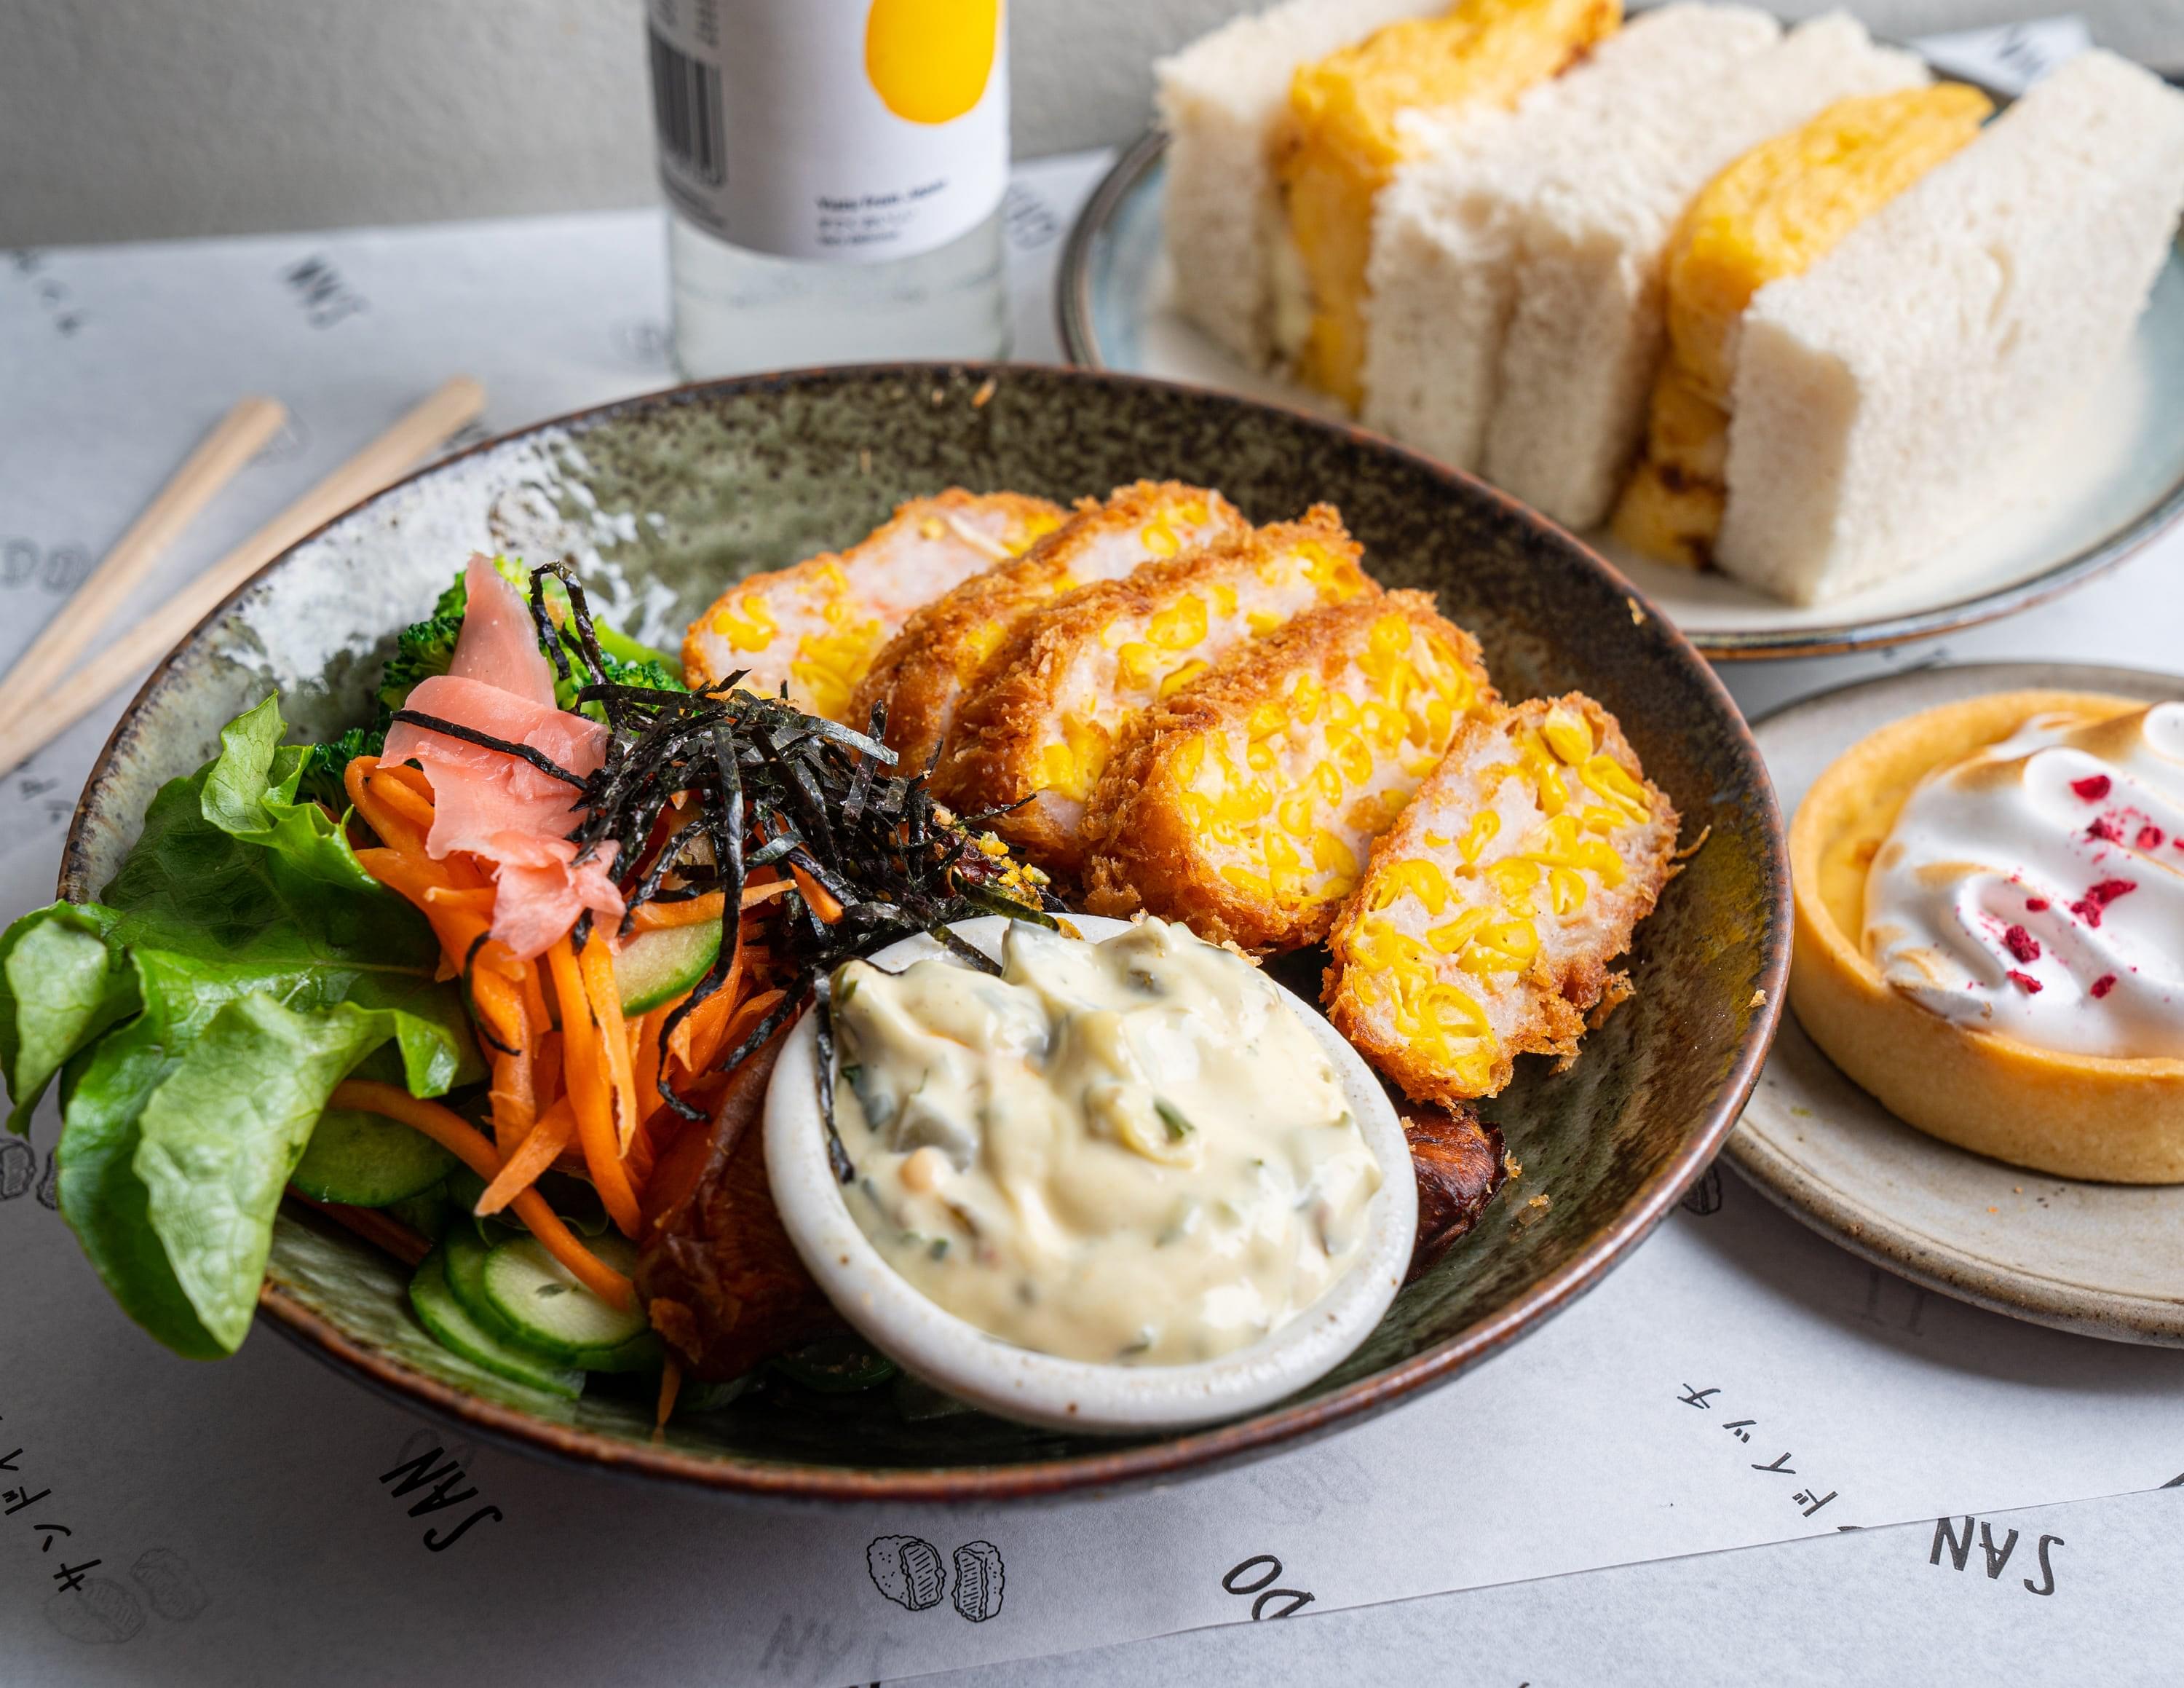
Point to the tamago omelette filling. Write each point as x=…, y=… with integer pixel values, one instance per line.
x=1128, y=1151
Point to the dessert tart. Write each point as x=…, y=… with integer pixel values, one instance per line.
x=1990, y=928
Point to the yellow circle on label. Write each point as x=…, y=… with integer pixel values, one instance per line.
x=929, y=60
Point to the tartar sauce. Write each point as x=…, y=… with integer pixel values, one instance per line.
x=1129, y=1151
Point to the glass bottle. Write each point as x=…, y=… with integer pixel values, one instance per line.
x=834, y=172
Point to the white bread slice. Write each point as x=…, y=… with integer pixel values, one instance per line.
x=1445, y=234
x=1218, y=98
x=1587, y=332
x=1897, y=393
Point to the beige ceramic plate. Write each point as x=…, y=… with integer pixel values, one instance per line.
x=2102, y=1260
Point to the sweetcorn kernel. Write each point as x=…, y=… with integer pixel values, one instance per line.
x=1460, y=931
x=1480, y=833
x=1184, y=676
x=1330, y=855
x=1568, y=733
x=1181, y=625
x=754, y=632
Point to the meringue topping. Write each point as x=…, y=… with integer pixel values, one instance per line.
x=2036, y=888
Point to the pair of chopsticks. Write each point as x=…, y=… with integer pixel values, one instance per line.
x=45, y=693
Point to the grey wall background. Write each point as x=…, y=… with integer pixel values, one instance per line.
x=128, y=118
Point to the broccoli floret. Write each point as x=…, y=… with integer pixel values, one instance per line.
x=323, y=765
x=423, y=649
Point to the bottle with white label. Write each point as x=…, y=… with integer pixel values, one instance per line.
x=834, y=171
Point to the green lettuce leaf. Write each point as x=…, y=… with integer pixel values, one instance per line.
x=220, y=1133
x=261, y=965
x=61, y=984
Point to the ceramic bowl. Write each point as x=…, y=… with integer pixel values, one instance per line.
x=1076, y=1394
x=659, y=500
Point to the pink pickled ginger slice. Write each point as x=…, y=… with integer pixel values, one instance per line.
x=500, y=642
x=499, y=805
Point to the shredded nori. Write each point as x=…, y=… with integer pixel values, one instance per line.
x=773, y=786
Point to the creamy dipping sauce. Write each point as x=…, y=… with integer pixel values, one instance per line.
x=1130, y=1151
x=2036, y=888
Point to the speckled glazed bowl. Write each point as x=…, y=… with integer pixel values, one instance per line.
x=661, y=499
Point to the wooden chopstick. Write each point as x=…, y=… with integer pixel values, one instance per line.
x=368, y=472
x=226, y=449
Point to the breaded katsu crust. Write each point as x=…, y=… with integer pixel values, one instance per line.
x=1041, y=727
x=926, y=669
x=817, y=625
x=1245, y=804
x=1488, y=915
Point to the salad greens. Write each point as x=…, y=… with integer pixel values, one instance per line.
x=240, y=966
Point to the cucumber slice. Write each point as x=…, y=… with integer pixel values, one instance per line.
x=465, y=1251
x=656, y=967
x=453, y=1329
x=548, y=1310
x=367, y=1160
x=466, y=1256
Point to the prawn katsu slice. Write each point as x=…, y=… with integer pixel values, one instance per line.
x=1038, y=732
x=1490, y=913
x=817, y=625
x=1244, y=805
x=926, y=670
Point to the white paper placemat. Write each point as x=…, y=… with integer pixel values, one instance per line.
x=1739, y=1382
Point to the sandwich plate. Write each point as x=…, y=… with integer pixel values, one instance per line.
x=2102, y=1260
x=2113, y=480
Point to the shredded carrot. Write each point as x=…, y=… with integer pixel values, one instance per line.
x=699, y=1026
x=596, y=964
x=823, y=901
x=475, y=900
x=404, y=799
x=739, y=1027
x=582, y=1065
x=501, y=1003
x=645, y=1056
x=671, y=1385
x=531, y=1157
x=461, y=1139
x=403, y=773
x=515, y=1093
x=395, y=829
x=651, y=916
x=547, y=1085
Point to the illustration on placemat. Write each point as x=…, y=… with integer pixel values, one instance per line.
x=979, y=1580
x=169, y=1584
x=908, y=1570
x=19, y=1168
x=102, y=1610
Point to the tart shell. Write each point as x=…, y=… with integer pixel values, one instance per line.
x=2078, y=1116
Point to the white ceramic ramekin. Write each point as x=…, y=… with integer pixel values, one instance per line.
x=1077, y=1395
